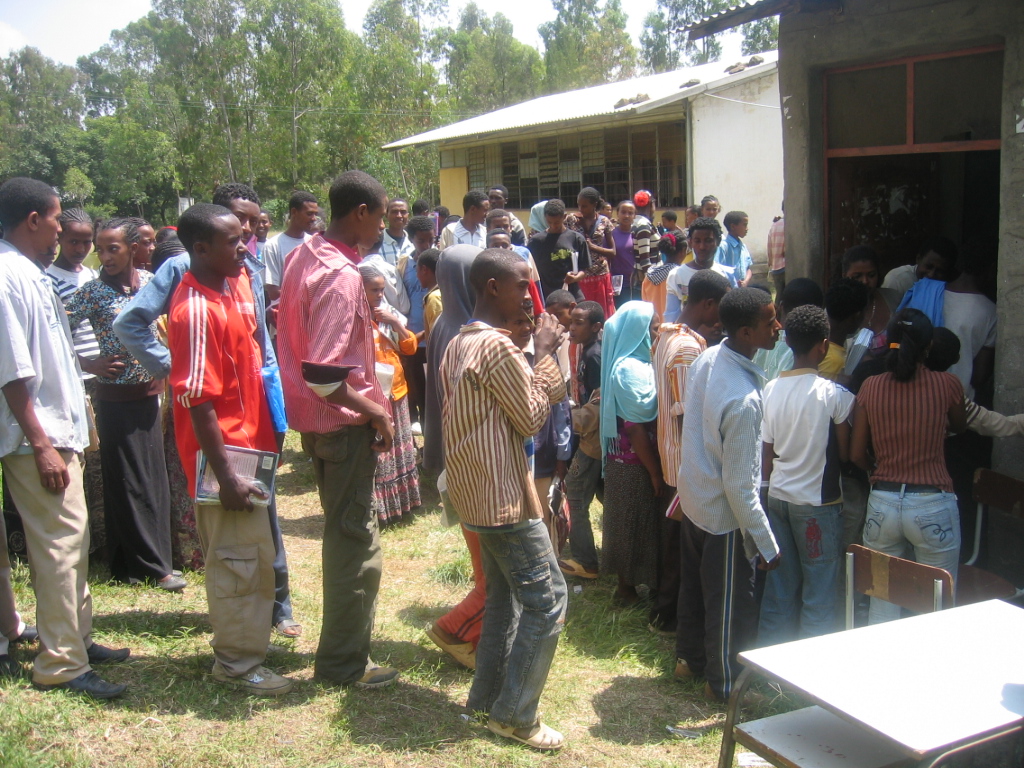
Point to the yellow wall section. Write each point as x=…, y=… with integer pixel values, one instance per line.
x=454, y=186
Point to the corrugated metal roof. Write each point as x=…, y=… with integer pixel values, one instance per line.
x=595, y=101
x=730, y=11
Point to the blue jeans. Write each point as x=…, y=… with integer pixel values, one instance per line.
x=580, y=486
x=801, y=595
x=927, y=523
x=523, y=616
x=282, y=594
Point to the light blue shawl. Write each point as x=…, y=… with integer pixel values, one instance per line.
x=627, y=377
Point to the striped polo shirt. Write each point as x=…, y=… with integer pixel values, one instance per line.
x=66, y=284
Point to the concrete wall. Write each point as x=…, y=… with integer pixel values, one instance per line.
x=737, y=154
x=876, y=30
x=454, y=184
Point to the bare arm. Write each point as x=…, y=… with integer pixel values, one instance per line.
x=648, y=456
x=984, y=364
x=957, y=414
x=861, y=440
x=767, y=461
x=53, y=472
x=843, y=432
x=379, y=418
x=235, y=491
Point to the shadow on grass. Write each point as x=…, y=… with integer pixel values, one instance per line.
x=152, y=623
x=636, y=710
x=595, y=627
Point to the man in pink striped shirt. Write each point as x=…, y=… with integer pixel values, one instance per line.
x=325, y=319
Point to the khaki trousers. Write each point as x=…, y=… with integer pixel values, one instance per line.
x=57, y=536
x=239, y=552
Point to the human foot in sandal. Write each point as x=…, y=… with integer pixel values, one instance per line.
x=539, y=736
x=573, y=568
x=289, y=628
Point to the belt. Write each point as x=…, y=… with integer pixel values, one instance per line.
x=885, y=485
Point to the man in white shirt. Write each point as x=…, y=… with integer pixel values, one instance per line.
x=43, y=430
x=303, y=210
x=470, y=230
x=396, y=245
x=497, y=196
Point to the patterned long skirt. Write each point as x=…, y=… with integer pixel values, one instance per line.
x=186, y=551
x=396, y=485
x=629, y=543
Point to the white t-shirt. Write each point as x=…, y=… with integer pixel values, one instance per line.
x=972, y=317
x=677, y=286
x=276, y=251
x=801, y=410
x=901, y=279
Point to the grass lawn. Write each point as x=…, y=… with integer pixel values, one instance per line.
x=610, y=690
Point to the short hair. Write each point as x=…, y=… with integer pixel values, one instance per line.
x=694, y=209
x=944, y=352
x=499, y=231
x=352, y=189
x=554, y=207
x=419, y=224
x=592, y=195
x=800, y=291
x=429, y=259
x=127, y=224
x=420, y=207
x=496, y=213
x=741, y=308
x=196, y=224
x=370, y=271
x=299, y=199
x=75, y=216
x=559, y=298
x=845, y=298
x=492, y=264
x=625, y=202
x=593, y=311
x=225, y=193
x=22, y=196
x=501, y=188
x=475, y=198
x=394, y=200
x=706, y=222
x=707, y=284
x=943, y=246
x=669, y=216
x=166, y=233
x=859, y=253
x=806, y=326
x=732, y=218
x=442, y=212
x=708, y=199
x=761, y=287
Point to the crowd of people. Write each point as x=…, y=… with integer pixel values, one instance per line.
x=739, y=441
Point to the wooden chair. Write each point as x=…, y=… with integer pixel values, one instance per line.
x=916, y=587
x=991, y=489
x=812, y=736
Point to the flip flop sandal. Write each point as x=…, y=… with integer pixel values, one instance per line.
x=541, y=736
x=289, y=628
x=572, y=568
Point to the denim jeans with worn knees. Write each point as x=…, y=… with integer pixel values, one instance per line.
x=524, y=614
x=928, y=524
x=580, y=487
x=801, y=596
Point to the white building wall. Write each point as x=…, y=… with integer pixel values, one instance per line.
x=737, y=154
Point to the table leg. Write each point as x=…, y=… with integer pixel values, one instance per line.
x=743, y=682
x=942, y=758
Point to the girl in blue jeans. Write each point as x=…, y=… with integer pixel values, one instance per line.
x=903, y=417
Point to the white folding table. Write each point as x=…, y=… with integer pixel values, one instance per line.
x=913, y=691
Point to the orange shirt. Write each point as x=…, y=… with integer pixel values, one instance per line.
x=387, y=352
x=215, y=358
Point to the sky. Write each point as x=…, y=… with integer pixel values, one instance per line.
x=66, y=29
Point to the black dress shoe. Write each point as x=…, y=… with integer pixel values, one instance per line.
x=88, y=683
x=9, y=667
x=100, y=654
x=30, y=635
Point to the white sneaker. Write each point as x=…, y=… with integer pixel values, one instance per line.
x=260, y=682
x=417, y=430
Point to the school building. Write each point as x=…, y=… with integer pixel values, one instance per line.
x=712, y=129
x=903, y=118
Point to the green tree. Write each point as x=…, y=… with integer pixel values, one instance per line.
x=657, y=51
x=78, y=189
x=671, y=17
x=586, y=44
x=760, y=36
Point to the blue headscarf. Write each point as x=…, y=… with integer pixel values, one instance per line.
x=627, y=377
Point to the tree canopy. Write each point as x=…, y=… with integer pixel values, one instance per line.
x=280, y=94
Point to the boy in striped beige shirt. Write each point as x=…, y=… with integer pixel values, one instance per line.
x=492, y=402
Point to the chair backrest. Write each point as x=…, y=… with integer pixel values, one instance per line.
x=999, y=491
x=916, y=587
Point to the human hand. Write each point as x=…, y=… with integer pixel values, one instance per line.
x=385, y=433
x=53, y=471
x=107, y=367
x=561, y=469
x=236, y=493
x=659, y=484
x=768, y=565
x=547, y=336
x=383, y=317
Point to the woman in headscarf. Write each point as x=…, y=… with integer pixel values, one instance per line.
x=396, y=484
x=457, y=300
x=458, y=631
x=632, y=470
